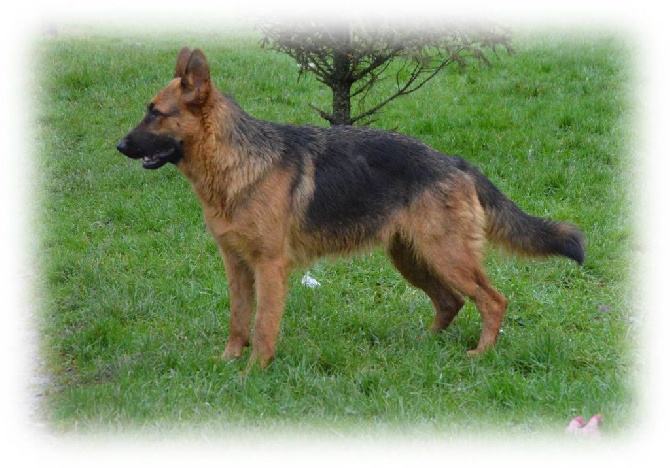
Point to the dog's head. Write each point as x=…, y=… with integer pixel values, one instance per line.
x=172, y=119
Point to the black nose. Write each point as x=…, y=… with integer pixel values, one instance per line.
x=122, y=146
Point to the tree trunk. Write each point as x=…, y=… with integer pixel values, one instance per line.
x=341, y=104
x=342, y=79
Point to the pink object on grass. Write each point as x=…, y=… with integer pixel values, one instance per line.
x=582, y=428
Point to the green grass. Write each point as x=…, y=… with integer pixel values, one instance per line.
x=133, y=293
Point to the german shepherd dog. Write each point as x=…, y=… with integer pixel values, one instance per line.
x=277, y=196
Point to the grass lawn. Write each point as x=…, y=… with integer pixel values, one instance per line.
x=134, y=297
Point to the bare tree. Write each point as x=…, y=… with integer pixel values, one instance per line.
x=351, y=57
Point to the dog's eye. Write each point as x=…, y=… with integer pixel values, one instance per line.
x=153, y=113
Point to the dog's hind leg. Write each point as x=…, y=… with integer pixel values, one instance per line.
x=459, y=267
x=446, y=302
x=450, y=240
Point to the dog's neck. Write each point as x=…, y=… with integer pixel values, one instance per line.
x=231, y=158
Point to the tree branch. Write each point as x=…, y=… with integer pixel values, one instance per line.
x=404, y=89
x=323, y=114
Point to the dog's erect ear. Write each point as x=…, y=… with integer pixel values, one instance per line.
x=182, y=61
x=195, y=79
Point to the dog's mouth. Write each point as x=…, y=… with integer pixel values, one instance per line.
x=159, y=159
x=153, y=156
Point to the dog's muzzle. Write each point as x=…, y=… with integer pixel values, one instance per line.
x=155, y=151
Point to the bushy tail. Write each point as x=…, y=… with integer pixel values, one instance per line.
x=520, y=232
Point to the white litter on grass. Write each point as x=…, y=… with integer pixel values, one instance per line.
x=310, y=282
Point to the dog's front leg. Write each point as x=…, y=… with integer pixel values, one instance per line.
x=241, y=286
x=271, y=288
